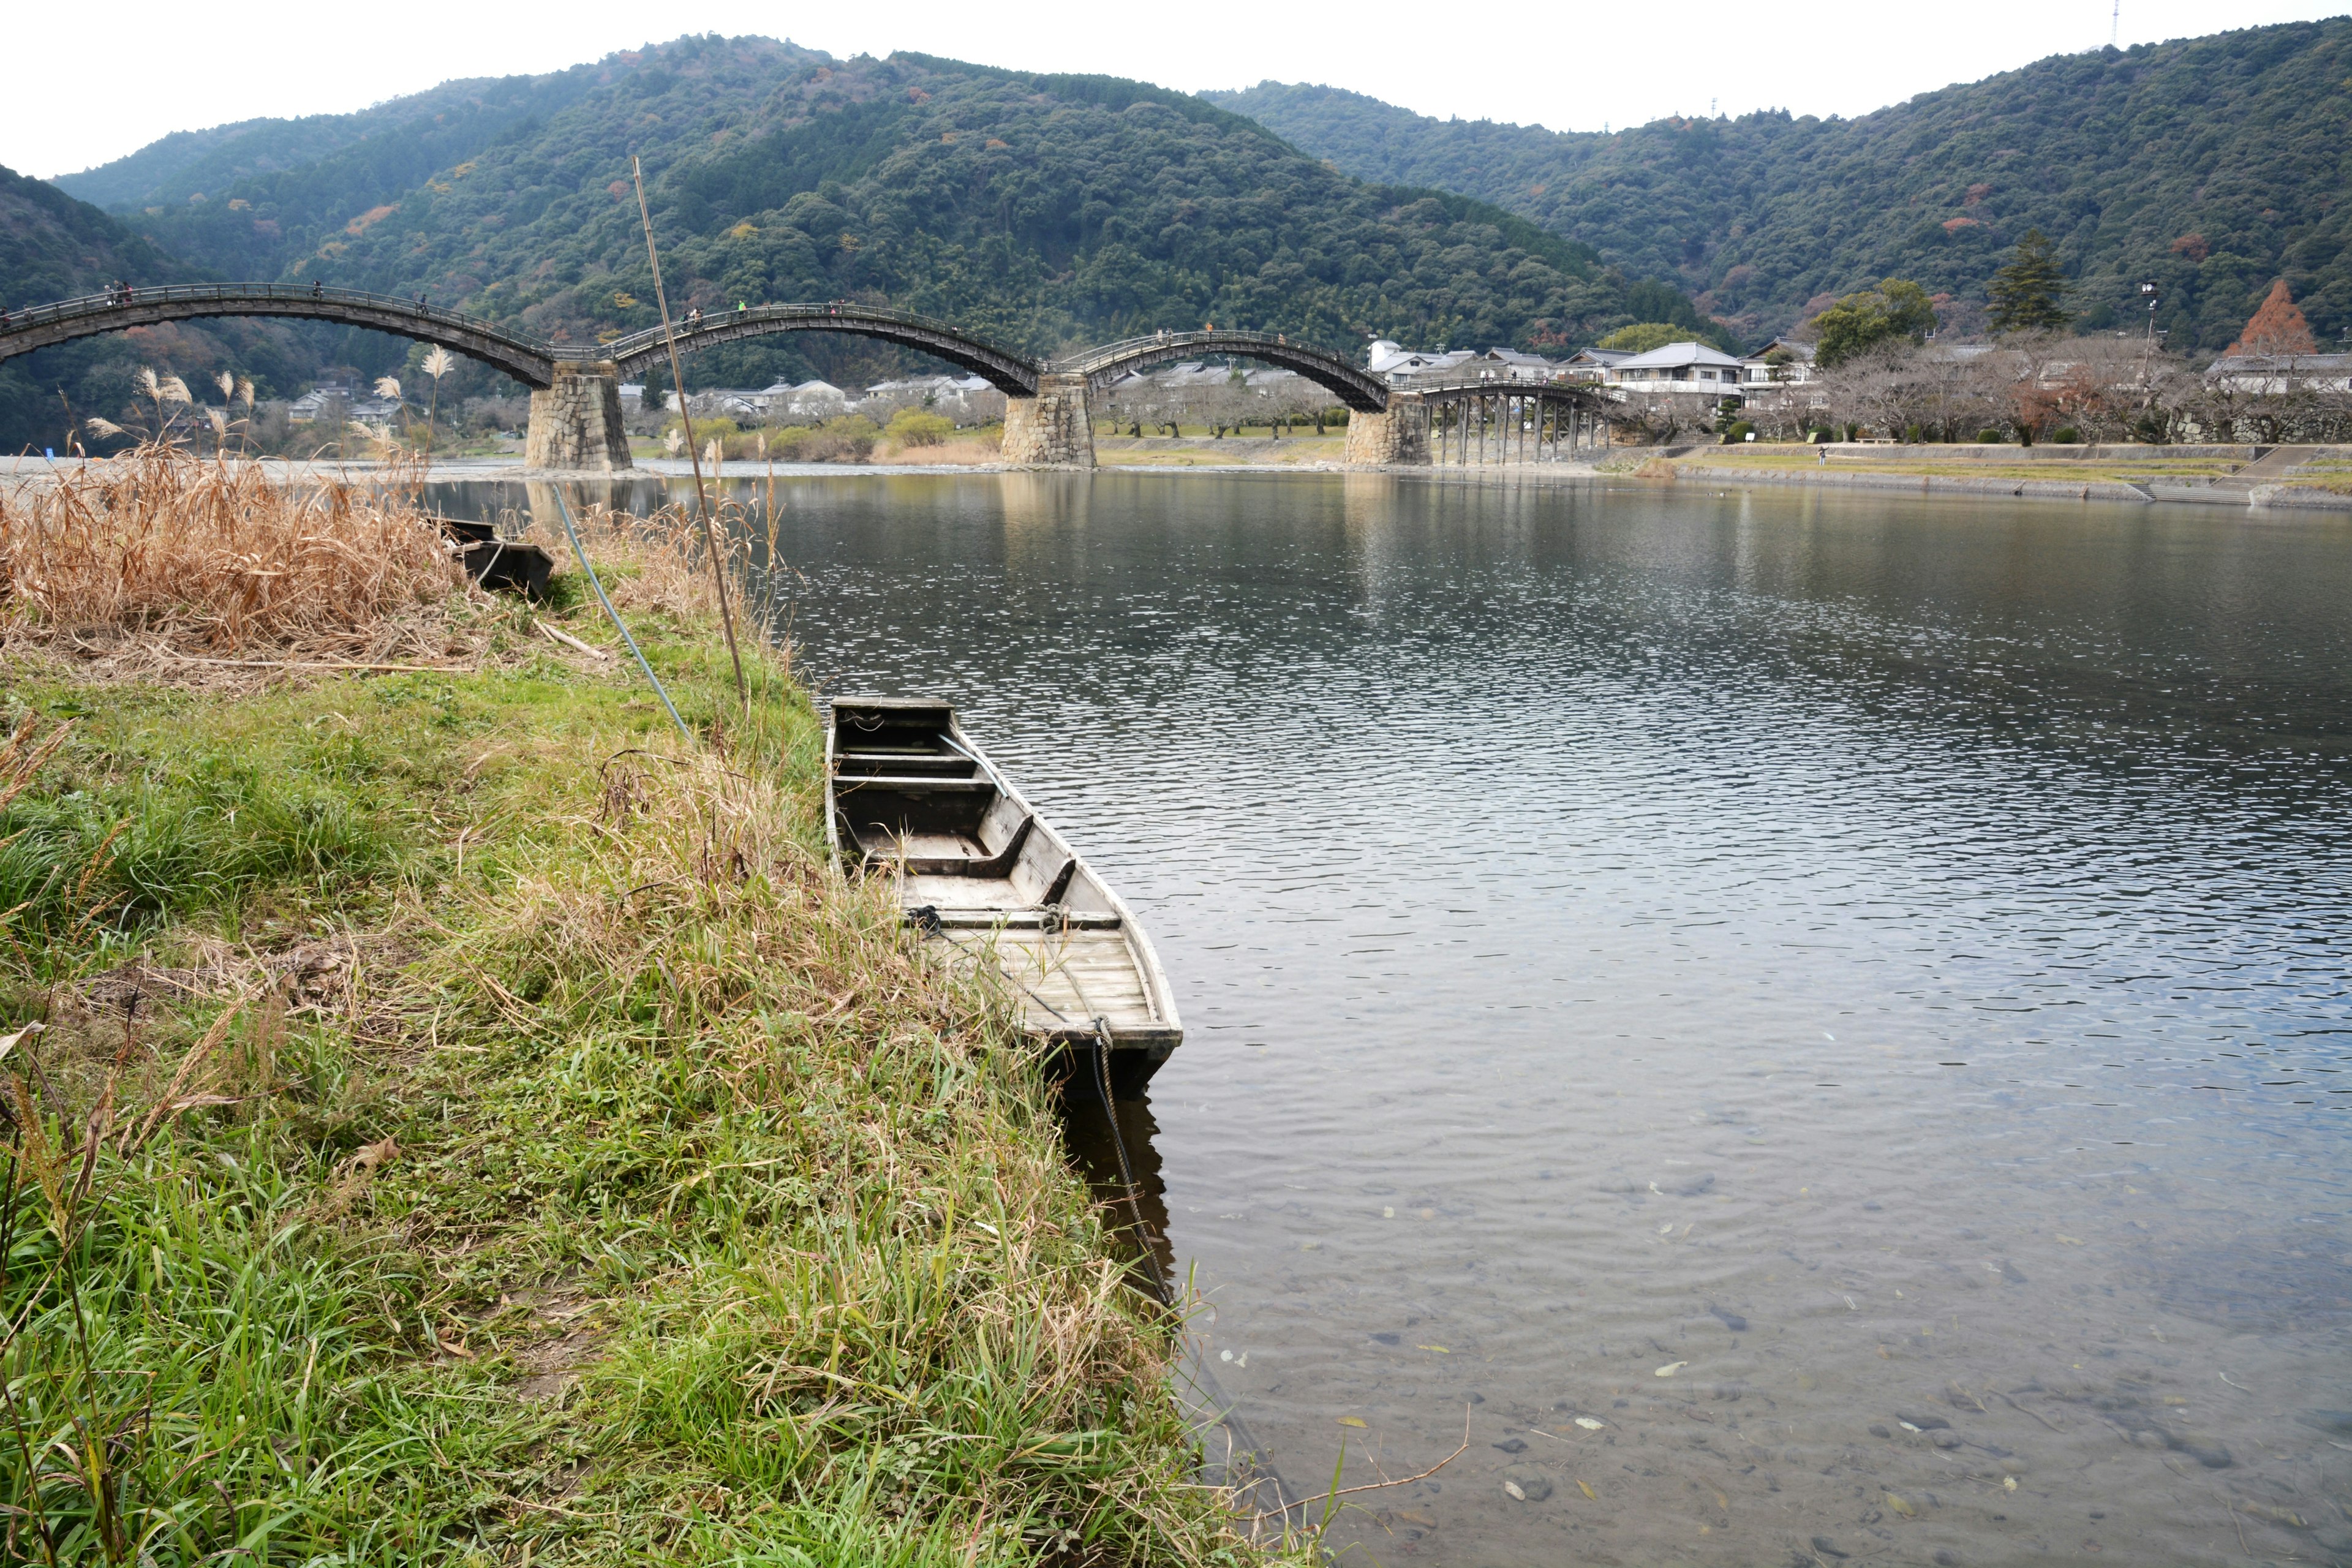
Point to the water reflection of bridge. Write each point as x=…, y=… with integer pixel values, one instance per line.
x=575, y=410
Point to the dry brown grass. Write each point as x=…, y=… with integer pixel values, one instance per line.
x=206, y=555
x=656, y=563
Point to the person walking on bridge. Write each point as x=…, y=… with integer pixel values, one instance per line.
x=318, y=289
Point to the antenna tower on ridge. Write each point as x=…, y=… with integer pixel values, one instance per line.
x=2115, y=24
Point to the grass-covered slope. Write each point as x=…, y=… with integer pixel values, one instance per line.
x=2210, y=165
x=1043, y=210
x=474, y=1127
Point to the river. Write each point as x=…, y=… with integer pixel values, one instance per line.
x=1809, y=1022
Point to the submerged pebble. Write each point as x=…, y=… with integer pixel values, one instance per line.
x=1527, y=1483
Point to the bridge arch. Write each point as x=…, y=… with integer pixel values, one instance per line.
x=1359, y=389
x=526, y=359
x=1011, y=374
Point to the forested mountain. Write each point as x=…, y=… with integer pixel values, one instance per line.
x=205, y=192
x=1044, y=211
x=54, y=247
x=2211, y=165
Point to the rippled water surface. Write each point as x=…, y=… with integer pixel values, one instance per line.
x=1817, y=1022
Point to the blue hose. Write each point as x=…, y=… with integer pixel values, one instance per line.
x=573, y=534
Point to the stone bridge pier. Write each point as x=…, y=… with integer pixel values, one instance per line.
x=1400, y=436
x=1055, y=428
x=576, y=423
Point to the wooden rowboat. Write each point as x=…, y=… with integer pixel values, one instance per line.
x=909, y=795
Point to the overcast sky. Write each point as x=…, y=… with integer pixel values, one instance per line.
x=81, y=94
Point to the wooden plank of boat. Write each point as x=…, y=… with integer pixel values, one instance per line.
x=909, y=795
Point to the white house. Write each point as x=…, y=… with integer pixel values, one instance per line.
x=311, y=403
x=2279, y=374
x=1795, y=362
x=805, y=400
x=1392, y=362
x=1593, y=365
x=1678, y=367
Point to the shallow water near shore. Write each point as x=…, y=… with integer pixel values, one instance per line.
x=1819, y=1022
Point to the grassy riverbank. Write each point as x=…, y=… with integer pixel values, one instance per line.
x=2225, y=475
x=1205, y=451
x=469, y=1124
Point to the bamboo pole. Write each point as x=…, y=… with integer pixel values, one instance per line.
x=685, y=423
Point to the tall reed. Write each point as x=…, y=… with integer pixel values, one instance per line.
x=210, y=553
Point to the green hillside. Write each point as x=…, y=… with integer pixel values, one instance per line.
x=55, y=247
x=1045, y=211
x=2212, y=165
x=322, y=169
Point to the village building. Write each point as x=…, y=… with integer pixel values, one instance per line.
x=1593, y=365
x=1393, y=362
x=1679, y=367
x=307, y=408
x=2277, y=375
x=1785, y=360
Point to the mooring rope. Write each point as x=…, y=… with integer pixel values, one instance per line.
x=1119, y=1147
x=573, y=534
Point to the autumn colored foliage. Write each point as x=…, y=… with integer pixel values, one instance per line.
x=2277, y=328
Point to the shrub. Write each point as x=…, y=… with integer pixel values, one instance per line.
x=845, y=438
x=916, y=427
x=704, y=430
x=1989, y=438
x=2066, y=434
x=1737, y=432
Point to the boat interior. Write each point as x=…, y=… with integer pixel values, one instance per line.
x=983, y=875
x=908, y=796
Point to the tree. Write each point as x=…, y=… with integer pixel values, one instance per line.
x=1897, y=308
x=2276, y=329
x=1642, y=336
x=2026, y=292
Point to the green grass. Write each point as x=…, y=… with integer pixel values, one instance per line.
x=622, y=1186
x=1912, y=463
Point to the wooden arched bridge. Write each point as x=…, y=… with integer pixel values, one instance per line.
x=575, y=413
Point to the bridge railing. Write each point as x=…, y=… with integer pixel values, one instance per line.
x=246, y=293
x=1088, y=361
x=648, y=337
x=1496, y=384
